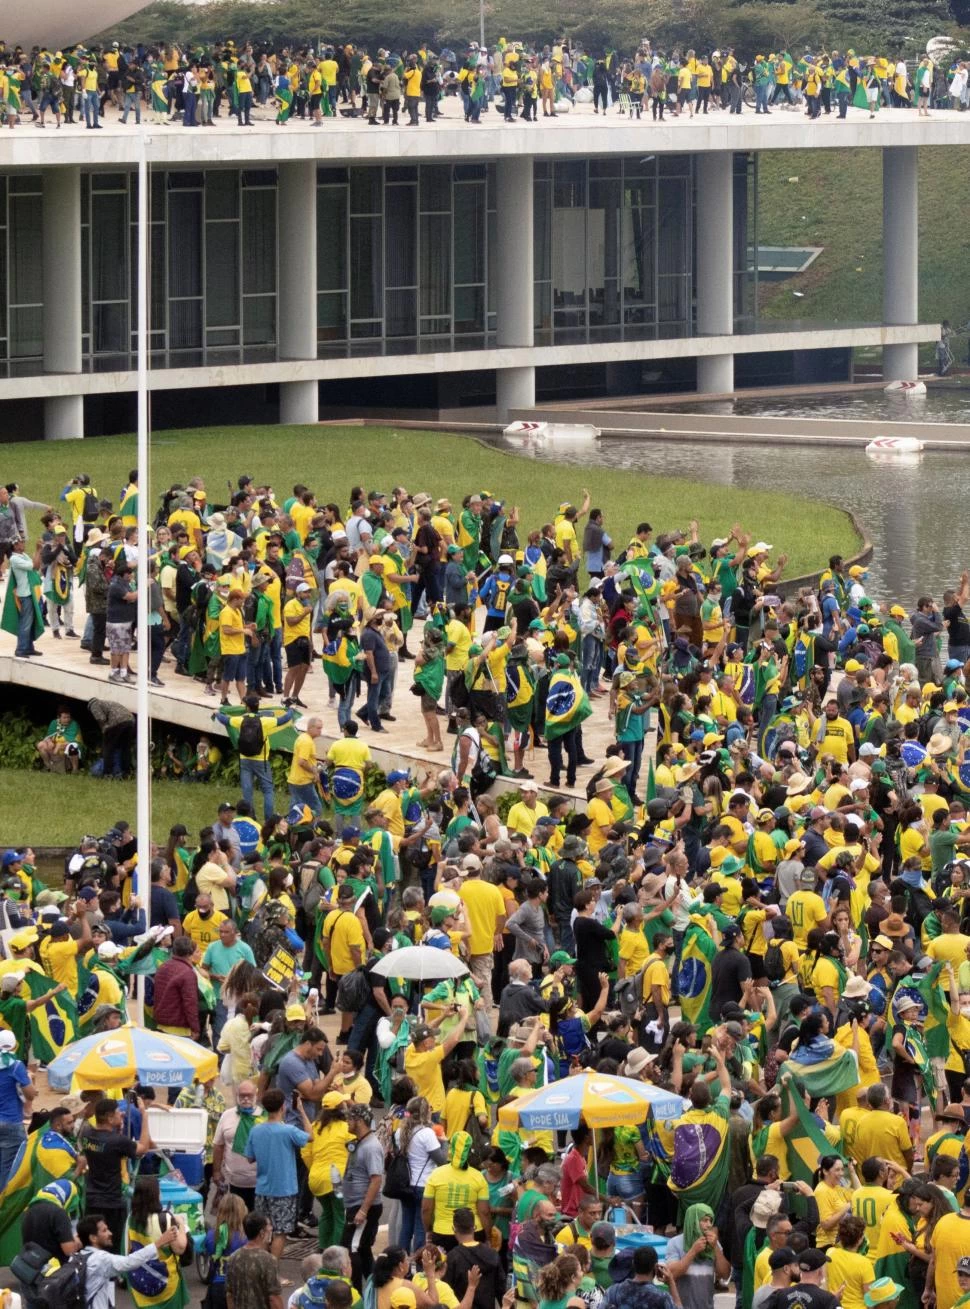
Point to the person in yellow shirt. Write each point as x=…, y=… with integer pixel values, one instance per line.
x=834, y=735
x=59, y=951
x=725, y=875
x=423, y=1060
x=873, y=1197
x=599, y=811
x=882, y=1134
x=202, y=923
x=296, y=644
x=685, y=94
x=847, y=1266
x=305, y=768
x=485, y=914
x=806, y=908
x=233, y=631
x=633, y=945
x=412, y=93
x=344, y=946
x=833, y=1195
x=656, y=981
x=525, y=813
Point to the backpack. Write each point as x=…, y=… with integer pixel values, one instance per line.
x=397, y=1172
x=91, y=507
x=353, y=992
x=628, y=993
x=774, y=963
x=250, y=741
x=66, y=1287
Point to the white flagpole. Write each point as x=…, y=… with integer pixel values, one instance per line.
x=143, y=747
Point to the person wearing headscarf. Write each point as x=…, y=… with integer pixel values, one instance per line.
x=452, y=1186
x=696, y=1254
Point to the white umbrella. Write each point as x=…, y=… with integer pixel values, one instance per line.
x=420, y=963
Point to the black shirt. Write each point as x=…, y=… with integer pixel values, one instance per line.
x=48, y=1226
x=120, y=610
x=728, y=971
x=591, y=938
x=375, y=643
x=164, y=906
x=104, y=1152
x=185, y=579
x=464, y=1257
x=957, y=627
x=803, y=1296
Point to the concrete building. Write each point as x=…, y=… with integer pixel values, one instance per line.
x=448, y=266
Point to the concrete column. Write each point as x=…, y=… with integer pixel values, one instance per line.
x=63, y=415
x=714, y=274
x=515, y=387
x=900, y=261
x=297, y=226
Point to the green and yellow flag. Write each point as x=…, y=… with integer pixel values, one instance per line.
x=806, y=1142
x=280, y=736
x=567, y=704
x=45, y=1157
x=10, y=616
x=53, y=1025
x=694, y=974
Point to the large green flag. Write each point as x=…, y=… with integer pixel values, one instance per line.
x=280, y=737
x=45, y=1157
x=53, y=1025
x=806, y=1141
x=839, y=1072
x=10, y=617
x=934, y=1010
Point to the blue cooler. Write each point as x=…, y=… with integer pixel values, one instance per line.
x=181, y=1199
x=191, y=1166
x=632, y=1238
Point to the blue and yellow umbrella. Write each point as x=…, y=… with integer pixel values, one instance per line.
x=111, y=1061
x=595, y=1098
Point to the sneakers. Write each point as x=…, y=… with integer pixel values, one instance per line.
x=153, y=681
x=98, y=659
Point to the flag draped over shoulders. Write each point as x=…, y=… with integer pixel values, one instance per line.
x=45, y=1157
x=53, y=1025
x=10, y=614
x=694, y=975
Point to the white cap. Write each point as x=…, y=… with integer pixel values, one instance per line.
x=7, y=1042
x=528, y=785
x=505, y=559
x=868, y=749
x=304, y=586
x=760, y=547
x=50, y=911
x=858, y=784
x=108, y=950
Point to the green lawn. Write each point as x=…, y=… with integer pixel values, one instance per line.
x=45, y=810
x=833, y=199
x=332, y=459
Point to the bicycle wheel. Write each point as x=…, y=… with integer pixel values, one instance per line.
x=203, y=1265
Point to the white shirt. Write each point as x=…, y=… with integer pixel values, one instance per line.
x=678, y=898
x=423, y=1144
x=103, y=1267
x=236, y=1168
x=386, y=1036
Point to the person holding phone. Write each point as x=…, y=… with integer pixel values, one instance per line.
x=273, y=1147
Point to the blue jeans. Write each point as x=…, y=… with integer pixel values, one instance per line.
x=276, y=656
x=761, y=99
x=189, y=99
x=592, y=658
x=260, y=771
x=132, y=101
x=220, y=1016
x=346, y=695
x=411, y=1236
x=306, y=793
x=92, y=108
x=363, y=1038
x=375, y=690
x=25, y=624
x=259, y=668
x=633, y=754
x=12, y=1137
x=510, y=93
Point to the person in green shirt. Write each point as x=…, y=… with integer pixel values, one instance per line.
x=945, y=841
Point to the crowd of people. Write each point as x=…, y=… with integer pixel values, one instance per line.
x=196, y=85
x=761, y=909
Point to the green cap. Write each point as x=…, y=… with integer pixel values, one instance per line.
x=560, y=957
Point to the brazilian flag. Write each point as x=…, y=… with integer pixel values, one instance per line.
x=53, y=1025
x=281, y=736
x=694, y=975
x=129, y=503
x=519, y=694
x=347, y=789
x=58, y=583
x=97, y=986
x=934, y=1010
x=567, y=704
x=536, y=560
x=159, y=1284
x=839, y=1072
x=803, y=659
x=44, y=1157
x=339, y=656
x=9, y=618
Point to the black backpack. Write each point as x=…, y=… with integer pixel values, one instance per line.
x=353, y=992
x=397, y=1174
x=91, y=507
x=774, y=963
x=66, y=1287
x=250, y=736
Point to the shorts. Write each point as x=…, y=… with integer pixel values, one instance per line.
x=682, y=97
x=234, y=668
x=114, y=80
x=298, y=652
x=938, y=1066
x=757, y=962
x=628, y=1186
x=315, y=103
x=428, y=703
x=6, y=550
x=118, y=636
x=281, y=1210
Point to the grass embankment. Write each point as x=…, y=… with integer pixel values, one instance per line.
x=43, y=809
x=833, y=199
x=331, y=460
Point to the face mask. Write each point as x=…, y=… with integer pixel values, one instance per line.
x=246, y=1108
x=205, y=913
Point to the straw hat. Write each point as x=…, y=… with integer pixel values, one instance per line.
x=939, y=744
